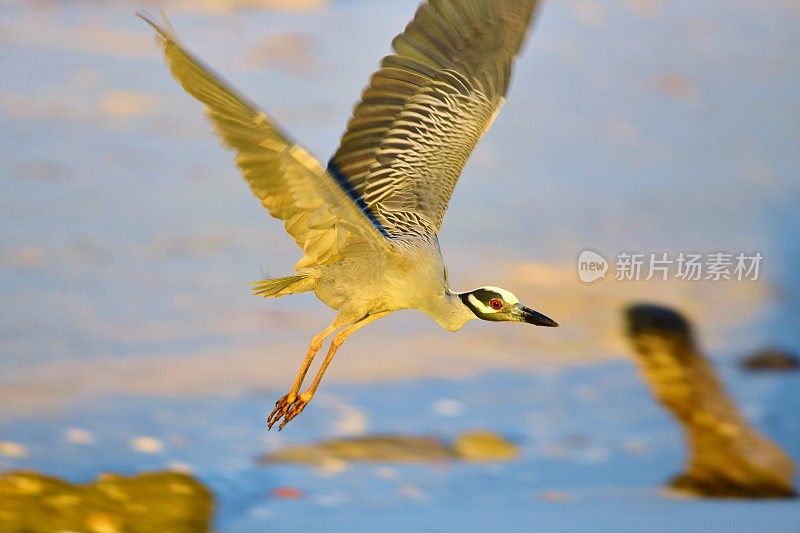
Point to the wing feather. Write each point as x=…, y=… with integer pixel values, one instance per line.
x=293, y=186
x=427, y=107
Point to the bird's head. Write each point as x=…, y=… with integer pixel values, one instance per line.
x=497, y=305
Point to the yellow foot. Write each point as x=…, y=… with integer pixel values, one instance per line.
x=287, y=408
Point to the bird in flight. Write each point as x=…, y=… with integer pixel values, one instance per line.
x=368, y=222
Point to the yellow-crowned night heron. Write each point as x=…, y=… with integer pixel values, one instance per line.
x=368, y=223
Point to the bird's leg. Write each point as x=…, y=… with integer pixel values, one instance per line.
x=302, y=400
x=335, y=344
x=282, y=405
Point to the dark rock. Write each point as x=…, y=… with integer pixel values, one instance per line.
x=726, y=456
x=771, y=359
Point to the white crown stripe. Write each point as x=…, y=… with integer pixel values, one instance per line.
x=479, y=305
x=507, y=296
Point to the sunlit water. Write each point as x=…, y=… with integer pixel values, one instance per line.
x=128, y=238
x=630, y=126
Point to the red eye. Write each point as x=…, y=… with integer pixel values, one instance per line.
x=496, y=304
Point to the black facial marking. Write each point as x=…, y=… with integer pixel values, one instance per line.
x=483, y=295
x=465, y=300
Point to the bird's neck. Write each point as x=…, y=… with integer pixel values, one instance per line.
x=450, y=312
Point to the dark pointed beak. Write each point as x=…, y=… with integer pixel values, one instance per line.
x=529, y=316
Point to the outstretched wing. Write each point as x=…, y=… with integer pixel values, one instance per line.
x=426, y=109
x=317, y=212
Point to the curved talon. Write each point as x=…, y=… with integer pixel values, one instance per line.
x=287, y=409
x=280, y=407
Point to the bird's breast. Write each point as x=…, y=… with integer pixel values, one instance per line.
x=407, y=279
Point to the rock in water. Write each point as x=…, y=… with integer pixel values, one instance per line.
x=480, y=445
x=771, y=359
x=726, y=457
x=473, y=446
x=153, y=502
x=375, y=448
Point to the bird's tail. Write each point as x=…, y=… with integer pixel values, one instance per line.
x=273, y=288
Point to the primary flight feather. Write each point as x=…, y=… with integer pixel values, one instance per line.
x=367, y=223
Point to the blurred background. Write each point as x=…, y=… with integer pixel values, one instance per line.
x=129, y=339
